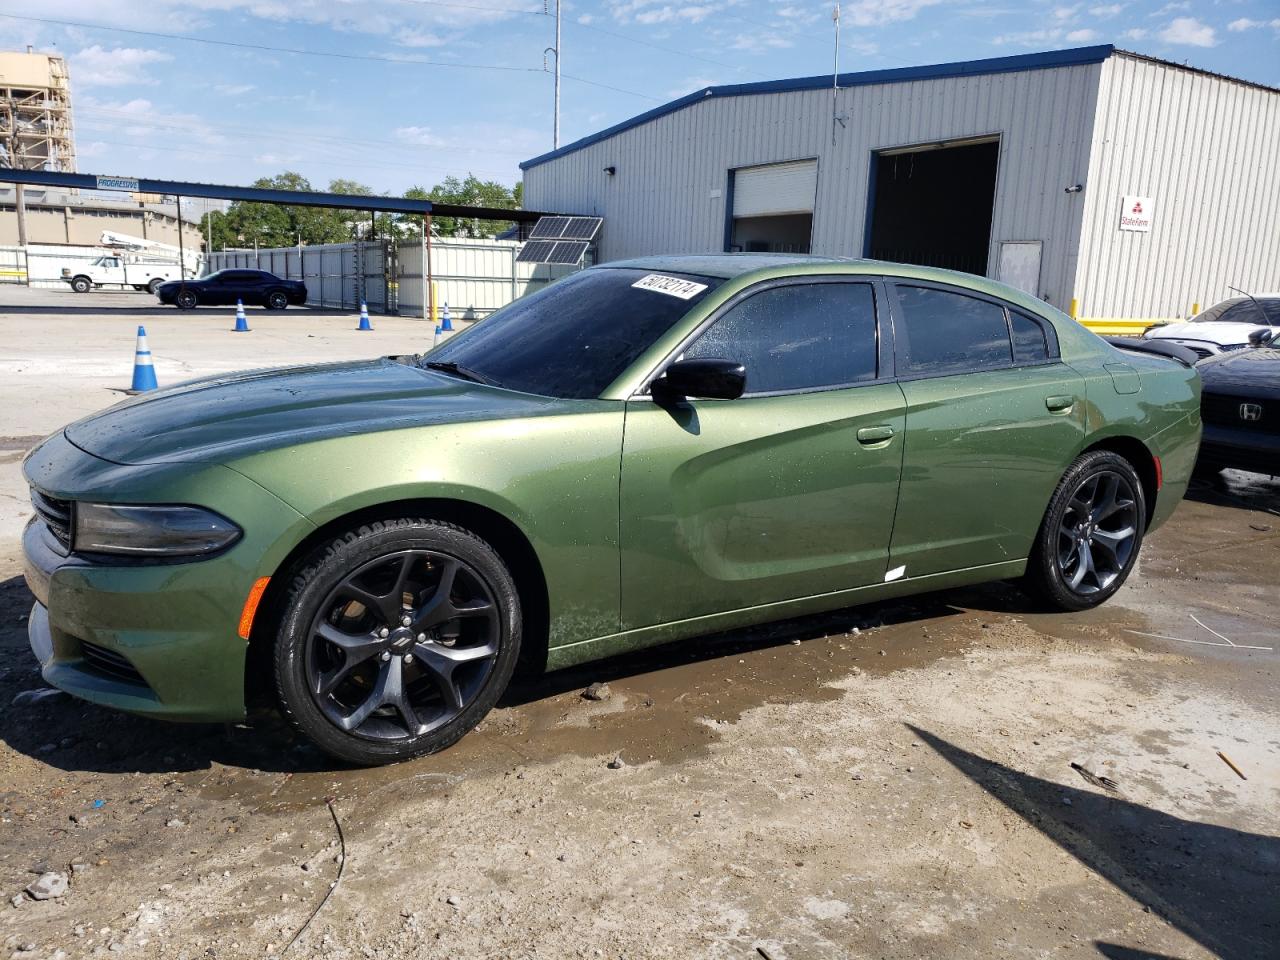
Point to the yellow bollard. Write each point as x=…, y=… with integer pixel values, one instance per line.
x=434, y=300
x=1075, y=309
x=1195, y=309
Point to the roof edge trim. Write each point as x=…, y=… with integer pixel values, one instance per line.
x=1075, y=56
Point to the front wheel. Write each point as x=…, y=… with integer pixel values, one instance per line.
x=185, y=300
x=396, y=639
x=1091, y=533
x=276, y=300
x=81, y=284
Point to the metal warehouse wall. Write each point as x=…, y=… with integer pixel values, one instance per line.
x=1207, y=151
x=668, y=195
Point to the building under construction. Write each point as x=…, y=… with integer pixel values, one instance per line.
x=35, y=113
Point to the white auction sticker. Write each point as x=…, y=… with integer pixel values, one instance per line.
x=671, y=286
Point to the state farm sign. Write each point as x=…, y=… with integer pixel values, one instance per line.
x=1136, y=214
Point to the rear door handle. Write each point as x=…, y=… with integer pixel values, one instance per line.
x=870, y=436
x=1060, y=404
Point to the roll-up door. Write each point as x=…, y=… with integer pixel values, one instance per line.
x=775, y=189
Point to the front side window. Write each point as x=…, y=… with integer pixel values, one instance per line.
x=572, y=339
x=801, y=336
x=944, y=333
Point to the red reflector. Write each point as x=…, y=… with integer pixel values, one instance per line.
x=251, y=606
x=1159, y=473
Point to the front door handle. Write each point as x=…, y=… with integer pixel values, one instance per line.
x=870, y=436
x=1061, y=404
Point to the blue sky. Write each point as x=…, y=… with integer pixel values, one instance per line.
x=429, y=99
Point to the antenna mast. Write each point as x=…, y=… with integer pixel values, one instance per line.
x=835, y=73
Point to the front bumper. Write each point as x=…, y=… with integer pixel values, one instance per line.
x=159, y=639
x=1240, y=449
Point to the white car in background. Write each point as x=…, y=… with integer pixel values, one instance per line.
x=1224, y=326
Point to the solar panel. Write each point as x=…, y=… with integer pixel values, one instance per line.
x=566, y=228
x=548, y=228
x=536, y=251
x=552, y=251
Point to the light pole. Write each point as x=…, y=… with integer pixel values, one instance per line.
x=555, y=123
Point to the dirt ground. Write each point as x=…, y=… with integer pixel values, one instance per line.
x=891, y=781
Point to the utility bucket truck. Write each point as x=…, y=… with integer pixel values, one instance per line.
x=133, y=262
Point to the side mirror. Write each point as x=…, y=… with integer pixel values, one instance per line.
x=710, y=379
x=1260, y=337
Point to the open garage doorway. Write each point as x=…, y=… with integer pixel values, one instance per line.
x=932, y=204
x=771, y=208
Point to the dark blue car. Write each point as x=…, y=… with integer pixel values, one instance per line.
x=253, y=287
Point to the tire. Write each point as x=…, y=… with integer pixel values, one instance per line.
x=276, y=300
x=1091, y=534
x=186, y=300
x=153, y=287
x=369, y=688
x=81, y=284
x=139, y=288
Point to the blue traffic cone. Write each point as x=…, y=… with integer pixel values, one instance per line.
x=144, y=373
x=242, y=322
x=364, y=317
x=446, y=322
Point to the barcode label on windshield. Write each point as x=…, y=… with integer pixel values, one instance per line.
x=671, y=286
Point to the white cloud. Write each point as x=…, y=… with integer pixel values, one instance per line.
x=118, y=67
x=653, y=11
x=1188, y=31
x=1171, y=7
x=234, y=89
x=874, y=13
x=1064, y=13
x=421, y=38
x=759, y=42
x=587, y=18
x=1082, y=36
x=1029, y=38
x=1107, y=11
x=418, y=136
x=1244, y=23
x=1136, y=33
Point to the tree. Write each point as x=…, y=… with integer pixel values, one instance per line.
x=471, y=192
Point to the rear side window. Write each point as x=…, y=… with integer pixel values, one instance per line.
x=802, y=336
x=944, y=332
x=1029, y=342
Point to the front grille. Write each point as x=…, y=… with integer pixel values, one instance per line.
x=56, y=515
x=110, y=664
x=1242, y=413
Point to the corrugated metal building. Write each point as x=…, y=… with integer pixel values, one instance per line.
x=1125, y=188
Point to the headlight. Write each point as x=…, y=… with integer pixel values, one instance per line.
x=150, y=530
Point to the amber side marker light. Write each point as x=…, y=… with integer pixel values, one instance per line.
x=251, y=606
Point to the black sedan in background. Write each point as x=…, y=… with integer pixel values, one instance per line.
x=1240, y=407
x=253, y=287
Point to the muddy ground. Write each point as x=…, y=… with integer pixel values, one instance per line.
x=892, y=781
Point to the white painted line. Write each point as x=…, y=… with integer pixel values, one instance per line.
x=1211, y=630
x=1203, y=643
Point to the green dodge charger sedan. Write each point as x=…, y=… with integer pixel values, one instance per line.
x=646, y=451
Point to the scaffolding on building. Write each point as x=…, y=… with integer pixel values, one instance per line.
x=35, y=113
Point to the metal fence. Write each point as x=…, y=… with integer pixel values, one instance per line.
x=474, y=277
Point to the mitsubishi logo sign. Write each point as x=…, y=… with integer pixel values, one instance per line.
x=1251, y=412
x=1136, y=214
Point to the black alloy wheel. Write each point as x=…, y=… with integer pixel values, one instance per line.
x=277, y=300
x=1091, y=534
x=185, y=300
x=396, y=639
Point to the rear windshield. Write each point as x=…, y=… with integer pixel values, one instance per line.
x=575, y=337
x=1264, y=310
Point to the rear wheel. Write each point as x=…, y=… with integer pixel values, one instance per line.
x=154, y=286
x=277, y=300
x=185, y=300
x=1091, y=533
x=396, y=639
x=81, y=284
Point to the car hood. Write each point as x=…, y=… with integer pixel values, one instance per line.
x=1210, y=331
x=219, y=418
x=1253, y=372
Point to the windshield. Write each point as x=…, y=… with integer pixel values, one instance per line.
x=575, y=337
x=1243, y=310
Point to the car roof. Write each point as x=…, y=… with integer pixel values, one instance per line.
x=724, y=265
